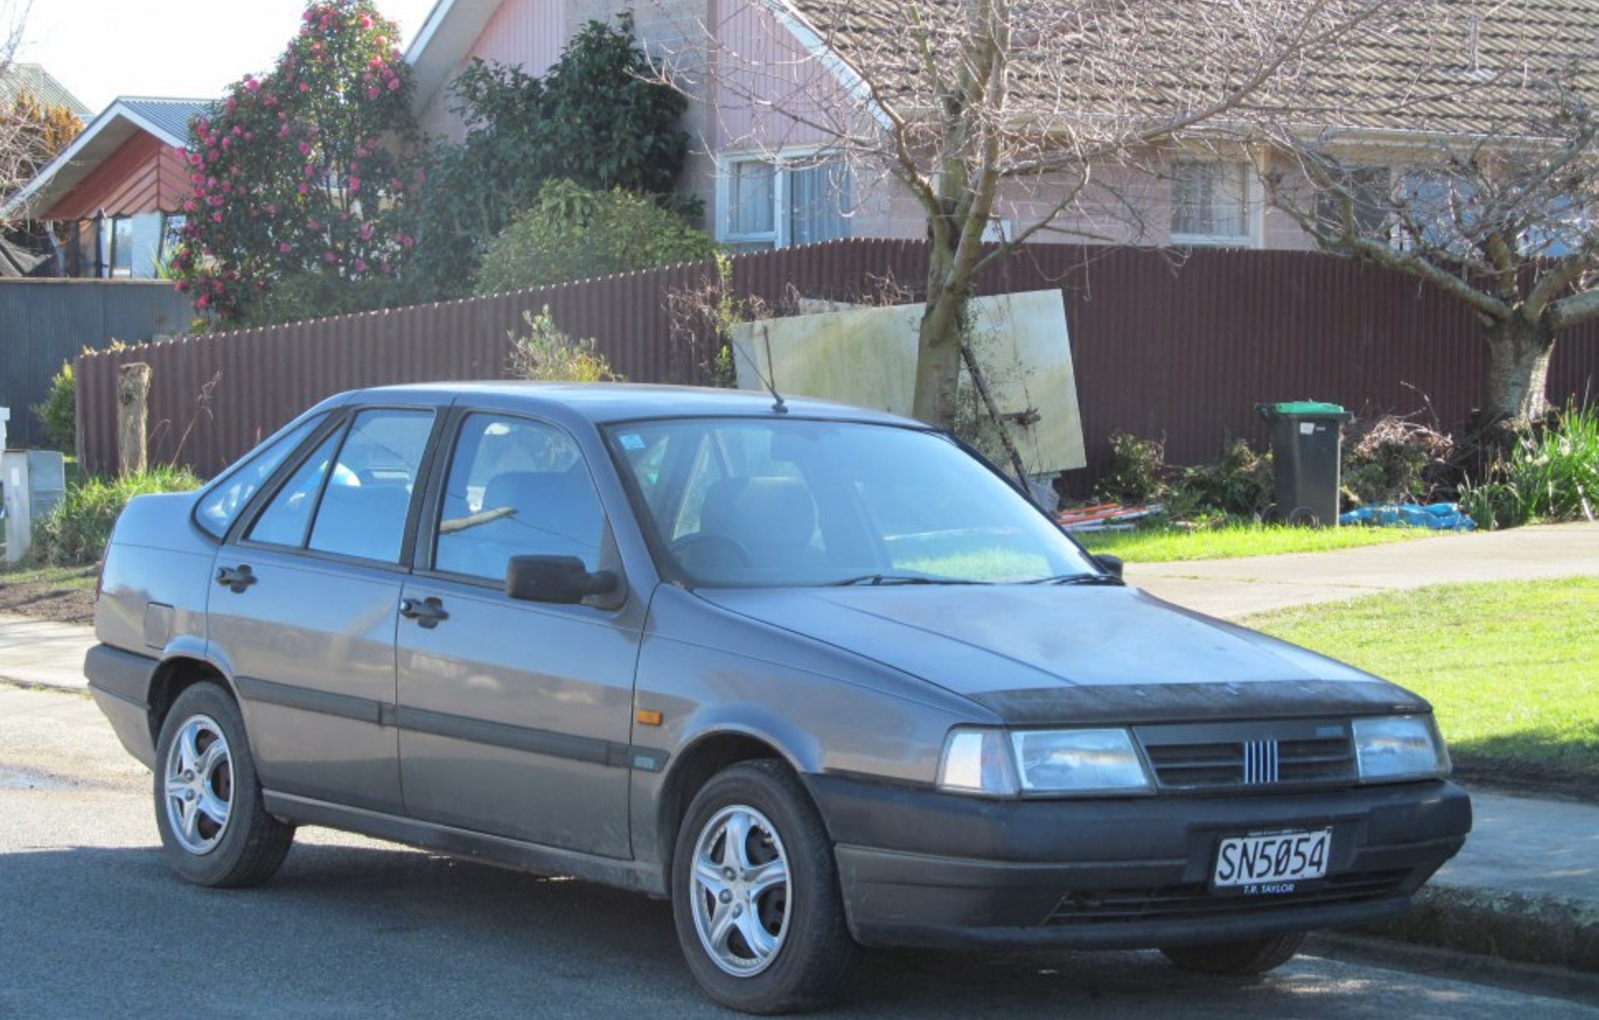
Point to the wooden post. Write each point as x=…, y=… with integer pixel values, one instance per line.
x=133, y=393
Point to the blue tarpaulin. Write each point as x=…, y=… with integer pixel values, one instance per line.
x=1437, y=516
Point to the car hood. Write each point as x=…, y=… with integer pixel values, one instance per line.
x=1036, y=653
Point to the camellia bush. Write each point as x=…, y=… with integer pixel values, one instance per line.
x=295, y=177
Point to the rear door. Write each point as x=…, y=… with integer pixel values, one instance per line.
x=515, y=716
x=303, y=611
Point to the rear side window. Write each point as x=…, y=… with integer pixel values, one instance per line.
x=352, y=496
x=222, y=504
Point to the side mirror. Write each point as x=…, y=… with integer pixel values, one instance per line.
x=562, y=580
x=1111, y=565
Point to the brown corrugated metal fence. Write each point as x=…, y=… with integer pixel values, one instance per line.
x=1167, y=349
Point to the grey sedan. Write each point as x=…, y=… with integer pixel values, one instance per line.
x=818, y=674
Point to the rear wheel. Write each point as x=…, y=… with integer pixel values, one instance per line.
x=208, y=807
x=1247, y=956
x=755, y=894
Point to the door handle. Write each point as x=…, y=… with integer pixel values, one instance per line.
x=426, y=612
x=236, y=579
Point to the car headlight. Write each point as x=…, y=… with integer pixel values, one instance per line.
x=1391, y=748
x=1074, y=762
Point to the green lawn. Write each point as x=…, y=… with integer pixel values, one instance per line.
x=1159, y=545
x=1511, y=668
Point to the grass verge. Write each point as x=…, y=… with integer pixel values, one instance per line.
x=1512, y=669
x=1159, y=545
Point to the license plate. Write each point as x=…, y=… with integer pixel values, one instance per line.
x=1271, y=863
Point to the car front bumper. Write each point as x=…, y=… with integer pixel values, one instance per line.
x=923, y=868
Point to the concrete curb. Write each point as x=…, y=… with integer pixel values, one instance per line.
x=1546, y=930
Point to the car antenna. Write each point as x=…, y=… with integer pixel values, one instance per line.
x=770, y=378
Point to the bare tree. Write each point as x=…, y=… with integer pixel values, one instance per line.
x=25, y=128
x=1490, y=195
x=1041, y=115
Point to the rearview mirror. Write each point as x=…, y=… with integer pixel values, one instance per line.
x=1111, y=565
x=561, y=580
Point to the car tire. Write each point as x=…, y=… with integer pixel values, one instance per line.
x=1247, y=956
x=761, y=919
x=214, y=829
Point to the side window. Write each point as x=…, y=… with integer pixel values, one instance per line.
x=222, y=505
x=515, y=487
x=285, y=519
x=363, y=477
x=367, y=499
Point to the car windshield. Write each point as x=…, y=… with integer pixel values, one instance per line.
x=786, y=502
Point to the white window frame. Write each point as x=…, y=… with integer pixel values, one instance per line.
x=783, y=164
x=1252, y=200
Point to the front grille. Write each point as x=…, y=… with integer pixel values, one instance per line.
x=1175, y=902
x=1255, y=755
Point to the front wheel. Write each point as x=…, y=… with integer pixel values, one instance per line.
x=214, y=828
x=755, y=894
x=1247, y=956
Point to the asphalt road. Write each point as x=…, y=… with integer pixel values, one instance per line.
x=92, y=925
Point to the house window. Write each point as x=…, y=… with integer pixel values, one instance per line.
x=769, y=204
x=1210, y=202
x=171, y=237
x=116, y=240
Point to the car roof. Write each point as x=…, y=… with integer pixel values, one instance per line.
x=612, y=402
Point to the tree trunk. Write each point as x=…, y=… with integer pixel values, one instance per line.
x=133, y=394
x=1518, y=369
x=938, y=337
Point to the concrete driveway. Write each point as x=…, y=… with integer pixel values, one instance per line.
x=1233, y=588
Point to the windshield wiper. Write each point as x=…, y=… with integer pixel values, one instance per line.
x=1110, y=579
x=882, y=579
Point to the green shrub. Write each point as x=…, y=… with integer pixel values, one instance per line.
x=575, y=234
x=76, y=530
x=1137, y=473
x=58, y=412
x=1551, y=473
x=547, y=354
x=1239, y=485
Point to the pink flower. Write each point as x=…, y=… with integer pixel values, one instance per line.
x=313, y=224
x=361, y=266
x=366, y=21
x=305, y=189
x=188, y=205
x=182, y=286
x=271, y=100
x=272, y=208
x=394, y=84
x=361, y=153
x=251, y=84
x=405, y=240
x=227, y=143
x=202, y=301
x=285, y=247
x=366, y=231
x=304, y=87
x=231, y=103
x=373, y=92
x=305, y=148
x=330, y=257
x=355, y=184
x=216, y=217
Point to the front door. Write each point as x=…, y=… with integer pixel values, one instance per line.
x=515, y=716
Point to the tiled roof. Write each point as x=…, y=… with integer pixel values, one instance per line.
x=34, y=80
x=1469, y=67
